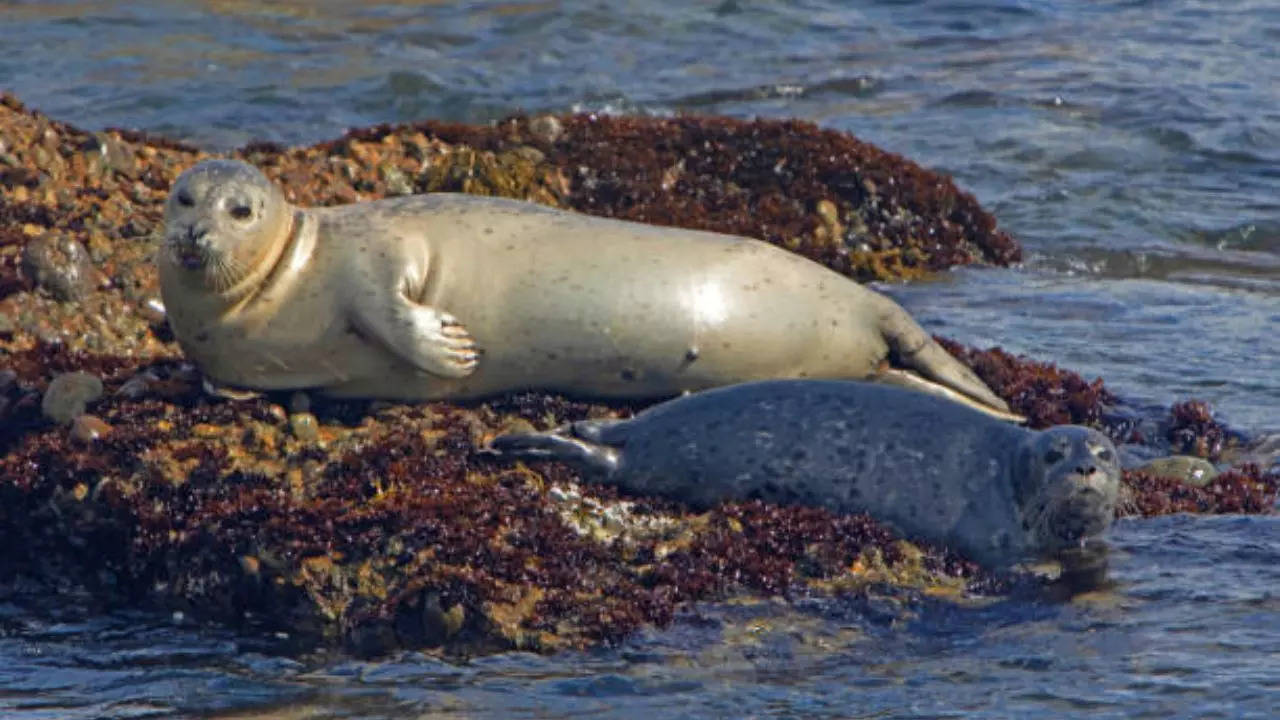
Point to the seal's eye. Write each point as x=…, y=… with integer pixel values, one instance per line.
x=1104, y=455
x=241, y=212
x=1053, y=456
x=184, y=199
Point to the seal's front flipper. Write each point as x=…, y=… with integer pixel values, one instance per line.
x=915, y=349
x=599, y=459
x=427, y=338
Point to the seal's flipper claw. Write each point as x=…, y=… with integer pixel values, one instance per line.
x=552, y=446
x=915, y=349
x=427, y=338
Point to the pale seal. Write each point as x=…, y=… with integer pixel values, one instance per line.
x=933, y=469
x=456, y=296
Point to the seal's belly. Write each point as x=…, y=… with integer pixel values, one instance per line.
x=303, y=346
x=662, y=325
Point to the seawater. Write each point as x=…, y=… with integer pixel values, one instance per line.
x=1132, y=147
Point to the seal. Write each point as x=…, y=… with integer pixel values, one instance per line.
x=932, y=469
x=457, y=296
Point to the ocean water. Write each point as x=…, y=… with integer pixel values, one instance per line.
x=1133, y=147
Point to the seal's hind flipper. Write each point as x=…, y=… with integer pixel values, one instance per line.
x=598, y=431
x=908, y=379
x=915, y=349
x=589, y=456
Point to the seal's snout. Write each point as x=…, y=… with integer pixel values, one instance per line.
x=1092, y=479
x=189, y=246
x=1084, y=508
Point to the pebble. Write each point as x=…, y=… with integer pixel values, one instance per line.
x=304, y=426
x=68, y=396
x=546, y=128
x=1186, y=469
x=277, y=413
x=87, y=428
x=60, y=265
x=114, y=153
x=299, y=402
x=152, y=310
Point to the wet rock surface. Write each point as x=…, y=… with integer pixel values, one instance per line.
x=60, y=266
x=68, y=395
x=373, y=525
x=1190, y=470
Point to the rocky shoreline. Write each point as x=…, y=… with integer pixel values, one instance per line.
x=372, y=526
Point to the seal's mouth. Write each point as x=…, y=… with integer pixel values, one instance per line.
x=190, y=258
x=186, y=249
x=1081, y=515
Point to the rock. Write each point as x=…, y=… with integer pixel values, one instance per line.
x=114, y=154
x=304, y=426
x=152, y=310
x=68, y=395
x=87, y=428
x=60, y=265
x=1189, y=470
x=277, y=414
x=546, y=128
x=299, y=402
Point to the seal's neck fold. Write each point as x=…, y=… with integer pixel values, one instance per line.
x=283, y=261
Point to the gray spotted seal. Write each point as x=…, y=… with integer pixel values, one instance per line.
x=934, y=469
x=456, y=296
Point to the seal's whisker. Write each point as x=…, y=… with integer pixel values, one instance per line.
x=224, y=270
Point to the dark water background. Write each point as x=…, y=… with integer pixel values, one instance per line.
x=1133, y=147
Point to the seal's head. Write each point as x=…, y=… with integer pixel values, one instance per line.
x=1067, y=482
x=224, y=219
